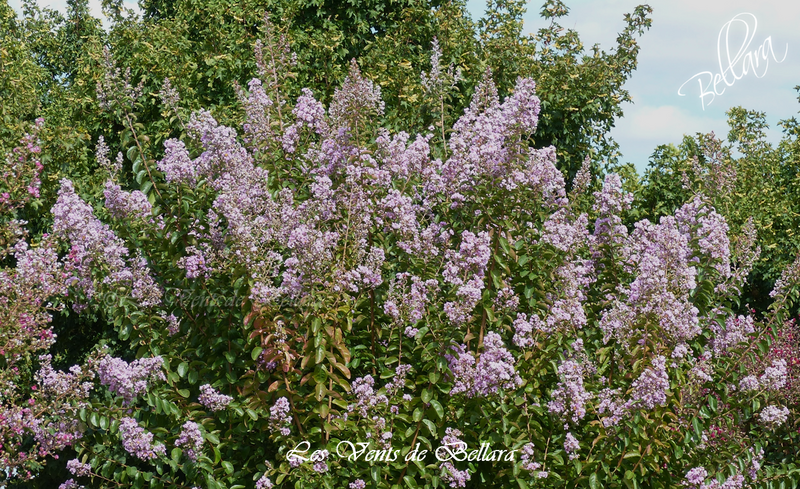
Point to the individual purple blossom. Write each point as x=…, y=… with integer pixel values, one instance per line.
x=279, y=419
x=773, y=416
x=357, y=484
x=191, y=440
x=212, y=399
x=78, y=469
x=137, y=441
x=129, y=380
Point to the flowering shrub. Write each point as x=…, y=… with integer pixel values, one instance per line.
x=529, y=336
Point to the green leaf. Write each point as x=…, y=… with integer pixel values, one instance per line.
x=438, y=408
x=183, y=368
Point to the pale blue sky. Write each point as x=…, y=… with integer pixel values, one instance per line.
x=682, y=42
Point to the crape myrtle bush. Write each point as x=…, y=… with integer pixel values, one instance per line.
x=388, y=291
x=758, y=185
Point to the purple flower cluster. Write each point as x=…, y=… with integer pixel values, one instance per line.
x=571, y=446
x=493, y=370
x=775, y=376
x=320, y=466
x=406, y=304
x=122, y=204
x=258, y=128
x=194, y=264
x=611, y=404
x=366, y=398
x=709, y=233
x=439, y=81
x=176, y=164
x=191, y=439
x=212, y=399
x=101, y=155
x=94, y=246
x=78, y=469
x=55, y=384
x=661, y=261
x=487, y=144
x=129, y=380
x=264, y=483
x=357, y=484
x=773, y=416
x=609, y=203
x=735, y=331
x=450, y=474
x=279, y=419
x=570, y=395
x=137, y=441
x=70, y=484
x=696, y=476
x=527, y=462
x=650, y=389
x=357, y=98
x=465, y=269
